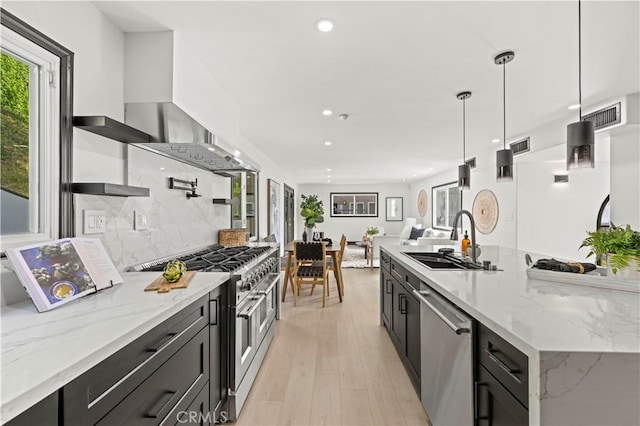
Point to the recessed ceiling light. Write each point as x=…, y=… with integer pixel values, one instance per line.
x=328, y=176
x=328, y=170
x=495, y=140
x=574, y=106
x=327, y=143
x=324, y=25
x=328, y=180
x=415, y=174
x=327, y=112
x=211, y=149
x=161, y=168
x=237, y=153
x=429, y=169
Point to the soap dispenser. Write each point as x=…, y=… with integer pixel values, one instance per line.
x=465, y=243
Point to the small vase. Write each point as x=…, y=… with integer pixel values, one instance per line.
x=309, y=232
x=630, y=273
x=304, y=235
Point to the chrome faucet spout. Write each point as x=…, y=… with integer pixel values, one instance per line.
x=454, y=232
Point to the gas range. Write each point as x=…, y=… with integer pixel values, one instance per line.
x=248, y=264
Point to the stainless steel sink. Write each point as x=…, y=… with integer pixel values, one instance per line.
x=442, y=261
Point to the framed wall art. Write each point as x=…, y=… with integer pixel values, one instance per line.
x=273, y=206
x=394, y=211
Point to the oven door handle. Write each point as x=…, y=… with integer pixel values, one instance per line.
x=252, y=309
x=273, y=284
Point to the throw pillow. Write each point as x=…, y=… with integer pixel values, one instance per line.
x=416, y=233
x=406, y=231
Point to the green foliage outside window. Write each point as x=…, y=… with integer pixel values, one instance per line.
x=14, y=125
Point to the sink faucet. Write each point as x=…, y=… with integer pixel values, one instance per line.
x=454, y=232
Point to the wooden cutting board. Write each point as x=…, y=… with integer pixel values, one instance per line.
x=162, y=286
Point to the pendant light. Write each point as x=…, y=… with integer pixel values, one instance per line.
x=464, y=171
x=581, y=134
x=504, y=157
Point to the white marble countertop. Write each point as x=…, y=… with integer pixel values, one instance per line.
x=42, y=352
x=535, y=316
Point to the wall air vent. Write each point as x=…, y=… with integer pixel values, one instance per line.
x=520, y=147
x=605, y=117
x=471, y=162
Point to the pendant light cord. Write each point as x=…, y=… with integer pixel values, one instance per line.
x=580, y=59
x=504, y=106
x=464, y=120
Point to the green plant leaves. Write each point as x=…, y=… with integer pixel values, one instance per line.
x=312, y=210
x=620, y=244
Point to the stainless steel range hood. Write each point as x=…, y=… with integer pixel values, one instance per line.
x=177, y=135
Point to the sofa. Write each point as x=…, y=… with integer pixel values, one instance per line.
x=411, y=235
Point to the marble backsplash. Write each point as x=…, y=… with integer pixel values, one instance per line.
x=175, y=222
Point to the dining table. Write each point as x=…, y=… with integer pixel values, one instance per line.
x=332, y=251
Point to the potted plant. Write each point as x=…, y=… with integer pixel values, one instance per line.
x=371, y=231
x=620, y=246
x=311, y=210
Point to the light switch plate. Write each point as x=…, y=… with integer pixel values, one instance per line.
x=140, y=222
x=94, y=221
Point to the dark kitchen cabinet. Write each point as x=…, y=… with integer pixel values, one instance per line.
x=502, y=386
x=44, y=413
x=147, y=380
x=495, y=405
x=400, y=314
x=218, y=352
x=386, y=298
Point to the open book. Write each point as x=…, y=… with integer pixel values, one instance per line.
x=60, y=271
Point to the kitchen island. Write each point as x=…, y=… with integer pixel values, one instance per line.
x=43, y=352
x=582, y=343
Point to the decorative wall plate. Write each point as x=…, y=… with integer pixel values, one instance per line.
x=422, y=202
x=485, y=211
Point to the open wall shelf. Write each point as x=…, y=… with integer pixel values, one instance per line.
x=110, y=128
x=112, y=189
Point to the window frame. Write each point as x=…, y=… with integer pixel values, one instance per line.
x=64, y=201
x=353, y=205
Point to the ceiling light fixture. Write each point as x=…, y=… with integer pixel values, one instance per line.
x=324, y=25
x=504, y=156
x=328, y=170
x=495, y=140
x=343, y=117
x=327, y=143
x=581, y=134
x=464, y=171
x=327, y=112
x=574, y=106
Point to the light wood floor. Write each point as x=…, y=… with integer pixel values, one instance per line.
x=333, y=366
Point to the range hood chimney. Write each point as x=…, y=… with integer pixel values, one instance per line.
x=177, y=135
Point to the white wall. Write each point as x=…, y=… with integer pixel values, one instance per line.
x=535, y=214
x=176, y=224
x=353, y=227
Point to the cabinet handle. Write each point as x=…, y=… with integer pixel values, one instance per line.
x=403, y=307
x=161, y=343
x=165, y=399
x=387, y=287
x=491, y=354
x=213, y=312
x=476, y=407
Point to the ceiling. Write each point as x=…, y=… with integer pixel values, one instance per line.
x=395, y=68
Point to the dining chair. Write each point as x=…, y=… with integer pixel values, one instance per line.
x=330, y=266
x=310, y=267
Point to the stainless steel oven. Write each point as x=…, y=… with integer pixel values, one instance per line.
x=247, y=334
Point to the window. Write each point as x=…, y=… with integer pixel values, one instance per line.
x=447, y=201
x=35, y=137
x=358, y=204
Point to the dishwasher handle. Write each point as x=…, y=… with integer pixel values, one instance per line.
x=457, y=328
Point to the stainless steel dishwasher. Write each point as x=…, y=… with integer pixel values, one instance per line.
x=447, y=369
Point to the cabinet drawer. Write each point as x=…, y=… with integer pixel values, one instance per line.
x=197, y=411
x=494, y=405
x=44, y=413
x=153, y=401
x=411, y=280
x=504, y=362
x=397, y=270
x=385, y=261
x=89, y=397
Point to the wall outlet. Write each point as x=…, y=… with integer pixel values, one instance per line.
x=140, y=221
x=94, y=221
